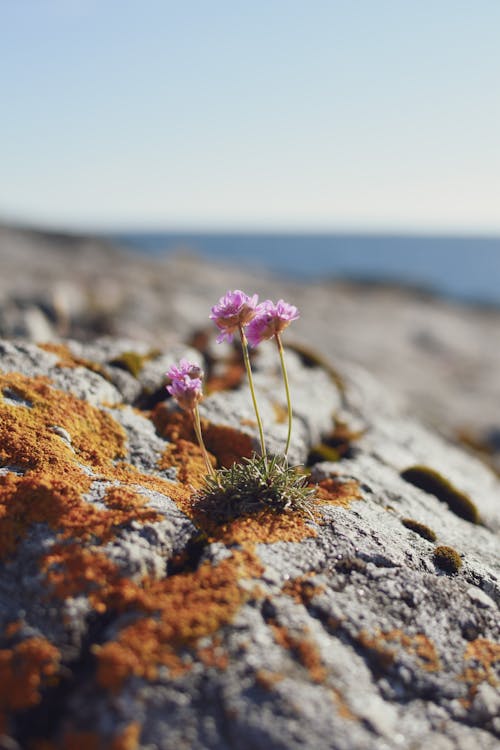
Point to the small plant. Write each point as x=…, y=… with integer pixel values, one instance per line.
x=447, y=559
x=270, y=321
x=233, y=312
x=258, y=483
x=186, y=388
x=255, y=485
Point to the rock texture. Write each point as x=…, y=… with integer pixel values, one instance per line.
x=132, y=619
x=439, y=356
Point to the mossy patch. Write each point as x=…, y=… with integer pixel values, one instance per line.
x=447, y=559
x=435, y=484
x=419, y=528
x=338, y=444
x=133, y=362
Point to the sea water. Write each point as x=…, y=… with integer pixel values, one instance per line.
x=467, y=268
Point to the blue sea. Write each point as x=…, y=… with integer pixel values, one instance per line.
x=467, y=268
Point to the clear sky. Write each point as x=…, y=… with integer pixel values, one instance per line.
x=269, y=114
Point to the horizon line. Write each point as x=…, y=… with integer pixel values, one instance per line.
x=110, y=230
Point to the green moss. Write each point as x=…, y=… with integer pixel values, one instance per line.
x=419, y=528
x=447, y=559
x=430, y=481
x=132, y=362
x=322, y=452
x=338, y=444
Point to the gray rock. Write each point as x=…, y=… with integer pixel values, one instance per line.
x=343, y=634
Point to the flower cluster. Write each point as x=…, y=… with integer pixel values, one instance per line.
x=236, y=313
x=232, y=313
x=270, y=320
x=187, y=389
x=185, y=384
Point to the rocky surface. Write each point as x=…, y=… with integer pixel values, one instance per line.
x=440, y=356
x=132, y=619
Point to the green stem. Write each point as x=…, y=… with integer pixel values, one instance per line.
x=287, y=390
x=197, y=428
x=246, y=358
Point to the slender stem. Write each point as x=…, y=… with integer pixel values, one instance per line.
x=246, y=358
x=197, y=428
x=287, y=390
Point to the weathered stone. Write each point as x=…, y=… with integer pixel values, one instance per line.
x=335, y=630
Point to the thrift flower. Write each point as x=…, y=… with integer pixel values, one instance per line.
x=232, y=313
x=269, y=322
x=186, y=388
x=271, y=319
x=185, y=368
x=186, y=391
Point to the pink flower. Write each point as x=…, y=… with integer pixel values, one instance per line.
x=270, y=319
x=184, y=369
x=187, y=391
x=233, y=310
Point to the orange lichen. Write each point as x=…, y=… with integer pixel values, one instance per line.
x=173, y=613
x=334, y=492
x=265, y=526
x=128, y=739
x=303, y=649
x=70, y=360
x=226, y=443
x=267, y=679
x=384, y=655
x=302, y=589
x=230, y=378
x=27, y=438
x=183, y=608
x=172, y=424
x=12, y=628
x=187, y=458
x=213, y=656
x=482, y=658
x=280, y=413
x=342, y=707
x=24, y=670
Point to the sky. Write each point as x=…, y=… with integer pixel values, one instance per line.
x=357, y=115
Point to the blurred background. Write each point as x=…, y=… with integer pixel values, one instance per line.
x=154, y=154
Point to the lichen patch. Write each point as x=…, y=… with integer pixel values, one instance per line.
x=24, y=670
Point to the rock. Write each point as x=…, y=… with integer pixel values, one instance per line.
x=437, y=355
x=131, y=619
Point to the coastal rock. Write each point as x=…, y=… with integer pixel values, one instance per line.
x=132, y=619
x=436, y=354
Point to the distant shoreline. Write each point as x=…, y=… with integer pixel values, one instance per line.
x=462, y=268
x=465, y=269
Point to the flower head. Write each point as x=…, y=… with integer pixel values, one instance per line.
x=270, y=319
x=184, y=369
x=236, y=309
x=187, y=391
